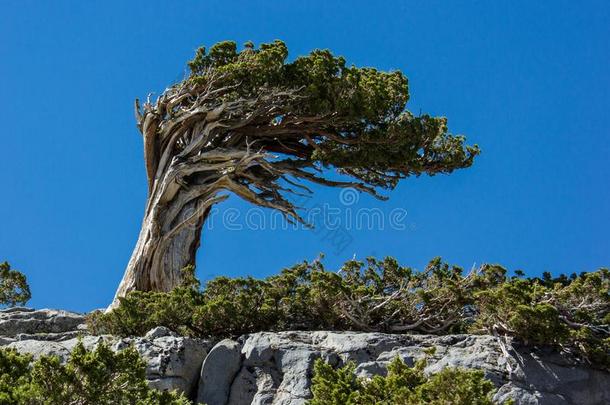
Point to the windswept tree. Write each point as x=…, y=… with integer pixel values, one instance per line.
x=254, y=124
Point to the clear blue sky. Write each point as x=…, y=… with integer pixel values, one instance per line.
x=528, y=81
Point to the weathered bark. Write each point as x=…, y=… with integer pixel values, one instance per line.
x=155, y=264
x=182, y=188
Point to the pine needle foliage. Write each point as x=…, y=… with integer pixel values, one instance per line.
x=570, y=314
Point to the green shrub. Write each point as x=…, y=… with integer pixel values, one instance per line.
x=569, y=313
x=512, y=307
x=141, y=311
x=403, y=385
x=15, y=377
x=14, y=288
x=90, y=377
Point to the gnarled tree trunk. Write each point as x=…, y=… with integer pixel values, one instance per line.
x=189, y=160
x=168, y=241
x=156, y=261
x=183, y=185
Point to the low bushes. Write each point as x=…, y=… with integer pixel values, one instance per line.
x=403, y=385
x=569, y=313
x=97, y=377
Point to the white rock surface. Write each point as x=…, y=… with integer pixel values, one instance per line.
x=218, y=371
x=27, y=321
x=276, y=368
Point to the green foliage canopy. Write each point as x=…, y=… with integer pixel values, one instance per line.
x=351, y=118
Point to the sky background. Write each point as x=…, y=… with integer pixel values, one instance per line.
x=527, y=81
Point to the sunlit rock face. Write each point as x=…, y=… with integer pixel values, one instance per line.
x=276, y=368
x=20, y=323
